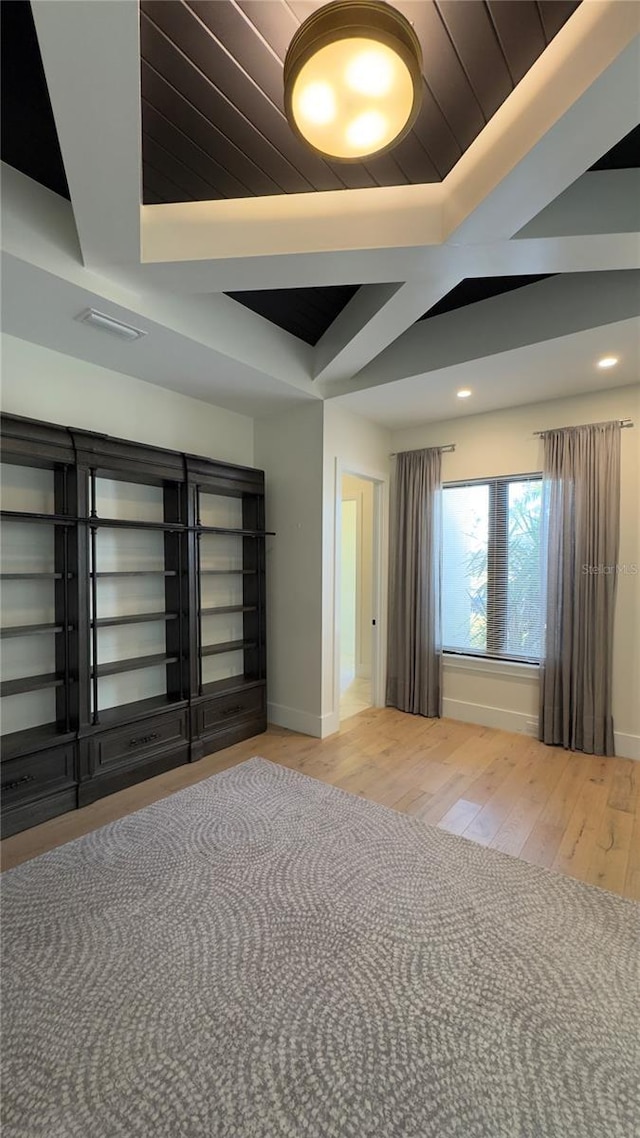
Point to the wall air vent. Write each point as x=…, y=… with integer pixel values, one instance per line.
x=108, y=324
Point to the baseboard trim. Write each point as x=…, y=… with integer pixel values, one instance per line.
x=294, y=719
x=485, y=716
x=627, y=746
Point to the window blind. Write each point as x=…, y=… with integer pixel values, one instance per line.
x=492, y=571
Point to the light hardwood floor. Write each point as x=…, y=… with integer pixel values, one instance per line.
x=574, y=813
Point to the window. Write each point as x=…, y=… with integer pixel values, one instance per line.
x=491, y=585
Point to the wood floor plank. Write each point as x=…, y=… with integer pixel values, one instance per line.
x=459, y=816
x=575, y=813
x=575, y=852
x=625, y=786
x=632, y=877
x=517, y=826
x=542, y=844
x=610, y=856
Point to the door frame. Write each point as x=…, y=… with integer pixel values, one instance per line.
x=380, y=482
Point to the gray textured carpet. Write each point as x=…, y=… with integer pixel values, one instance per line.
x=264, y=956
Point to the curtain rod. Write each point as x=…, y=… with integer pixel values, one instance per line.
x=620, y=422
x=446, y=447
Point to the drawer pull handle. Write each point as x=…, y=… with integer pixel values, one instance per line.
x=142, y=739
x=18, y=782
x=232, y=710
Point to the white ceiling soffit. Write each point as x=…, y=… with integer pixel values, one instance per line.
x=37, y=229
x=41, y=307
x=578, y=100
x=553, y=369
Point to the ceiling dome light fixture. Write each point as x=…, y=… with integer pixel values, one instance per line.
x=608, y=361
x=353, y=79
x=463, y=393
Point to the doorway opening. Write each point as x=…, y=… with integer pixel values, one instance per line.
x=357, y=587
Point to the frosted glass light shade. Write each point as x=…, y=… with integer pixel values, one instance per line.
x=353, y=79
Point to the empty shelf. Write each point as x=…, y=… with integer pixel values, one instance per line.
x=30, y=683
x=34, y=576
x=226, y=609
x=134, y=664
x=138, y=573
x=29, y=629
x=228, y=572
x=139, y=618
x=27, y=516
x=227, y=646
x=236, y=532
x=125, y=523
x=231, y=684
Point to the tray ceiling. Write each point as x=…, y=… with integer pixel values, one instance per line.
x=212, y=110
x=419, y=250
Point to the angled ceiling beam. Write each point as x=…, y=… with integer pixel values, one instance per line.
x=584, y=253
x=546, y=310
x=603, y=201
x=598, y=218
x=376, y=316
x=91, y=57
x=580, y=97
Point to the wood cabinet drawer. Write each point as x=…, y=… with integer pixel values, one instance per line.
x=32, y=776
x=123, y=745
x=224, y=711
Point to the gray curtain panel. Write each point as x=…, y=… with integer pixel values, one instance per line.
x=414, y=671
x=581, y=503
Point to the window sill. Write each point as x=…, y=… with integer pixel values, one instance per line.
x=505, y=669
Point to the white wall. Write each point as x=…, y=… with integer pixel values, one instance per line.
x=503, y=442
x=289, y=449
x=352, y=445
x=41, y=384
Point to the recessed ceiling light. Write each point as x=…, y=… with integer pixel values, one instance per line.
x=463, y=393
x=353, y=79
x=108, y=324
x=608, y=361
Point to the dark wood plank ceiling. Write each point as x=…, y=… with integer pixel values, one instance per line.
x=625, y=155
x=28, y=133
x=212, y=109
x=305, y=312
x=309, y=312
x=474, y=289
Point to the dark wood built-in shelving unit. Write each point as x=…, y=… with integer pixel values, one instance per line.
x=187, y=634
